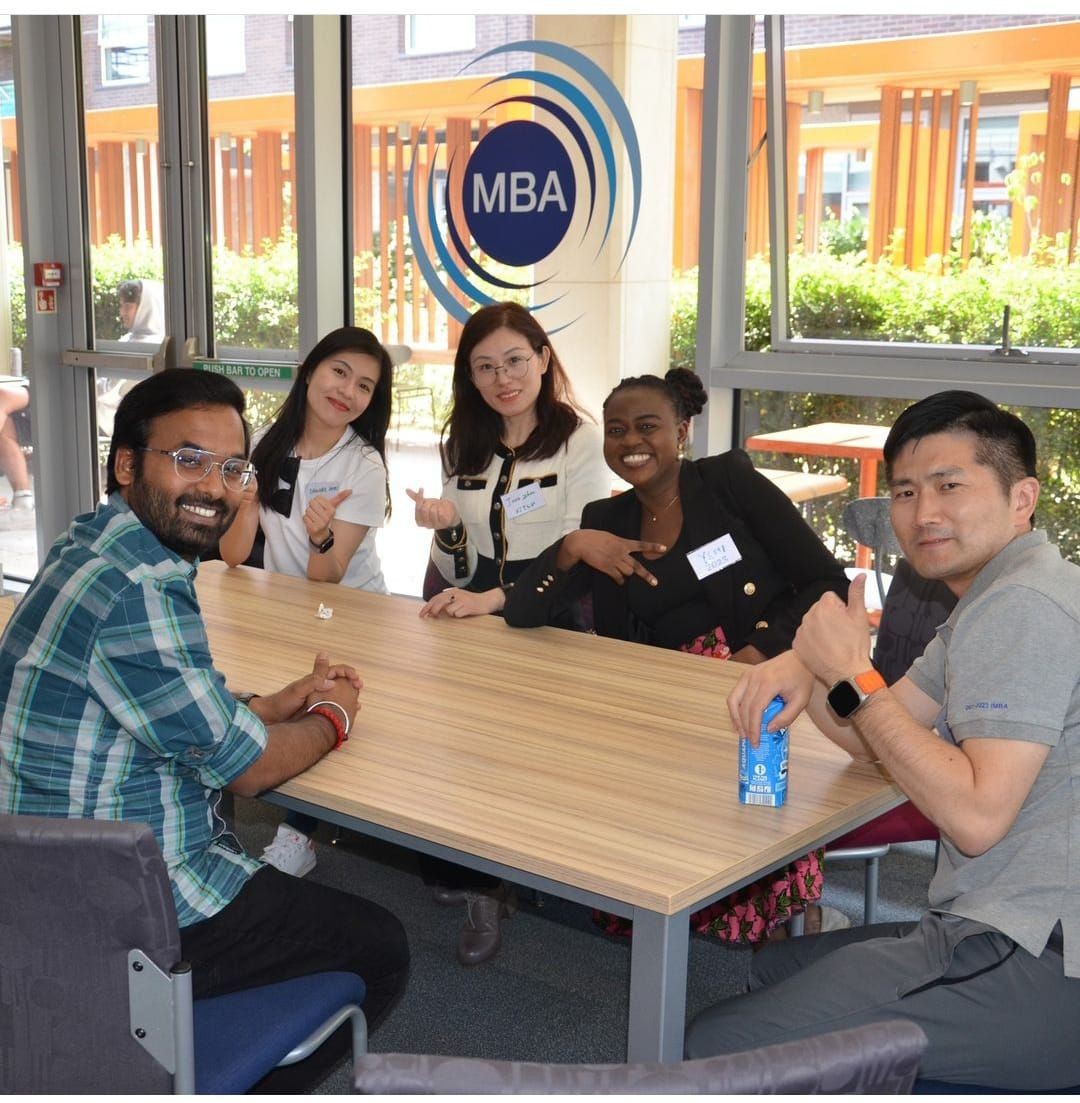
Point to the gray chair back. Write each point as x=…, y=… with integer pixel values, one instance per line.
x=867, y=520
x=880, y=1059
x=76, y=896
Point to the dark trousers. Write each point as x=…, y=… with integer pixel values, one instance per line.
x=280, y=927
x=995, y=1015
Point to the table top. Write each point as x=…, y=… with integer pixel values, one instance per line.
x=597, y=763
x=802, y=486
x=826, y=438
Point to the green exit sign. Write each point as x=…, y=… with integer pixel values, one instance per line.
x=240, y=369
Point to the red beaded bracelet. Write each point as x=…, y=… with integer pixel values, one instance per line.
x=327, y=709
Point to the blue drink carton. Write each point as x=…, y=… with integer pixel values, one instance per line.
x=763, y=769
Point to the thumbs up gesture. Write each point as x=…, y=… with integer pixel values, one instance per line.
x=833, y=640
x=320, y=512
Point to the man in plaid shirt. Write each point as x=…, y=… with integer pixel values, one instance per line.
x=112, y=708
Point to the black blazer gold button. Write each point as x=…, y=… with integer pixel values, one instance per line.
x=749, y=589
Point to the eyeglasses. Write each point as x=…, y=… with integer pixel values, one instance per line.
x=193, y=464
x=486, y=373
x=282, y=498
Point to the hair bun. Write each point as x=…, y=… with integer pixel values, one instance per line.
x=688, y=389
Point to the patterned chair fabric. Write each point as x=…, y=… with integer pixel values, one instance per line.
x=882, y=1058
x=69, y=990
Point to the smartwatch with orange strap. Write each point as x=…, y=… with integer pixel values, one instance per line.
x=848, y=695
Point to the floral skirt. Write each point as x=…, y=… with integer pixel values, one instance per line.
x=754, y=912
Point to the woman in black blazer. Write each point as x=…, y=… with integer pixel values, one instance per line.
x=706, y=556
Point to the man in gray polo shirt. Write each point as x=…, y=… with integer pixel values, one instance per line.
x=992, y=971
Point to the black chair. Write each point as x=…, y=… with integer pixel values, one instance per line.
x=93, y=994
x=879, y=1059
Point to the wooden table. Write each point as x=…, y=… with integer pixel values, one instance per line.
x=596, y=770
x=865, y=443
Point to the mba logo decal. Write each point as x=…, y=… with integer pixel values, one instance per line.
x=533, y=191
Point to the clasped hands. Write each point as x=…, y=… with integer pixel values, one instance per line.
x=336, y=682
x=832, y=642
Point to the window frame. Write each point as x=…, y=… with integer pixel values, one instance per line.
x=1048, y=377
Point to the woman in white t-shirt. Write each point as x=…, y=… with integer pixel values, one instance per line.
x=322, y=493
x=322, y=487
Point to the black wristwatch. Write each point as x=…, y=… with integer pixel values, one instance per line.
x=326, y=545
x=848, y=695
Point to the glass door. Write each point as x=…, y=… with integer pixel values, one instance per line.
x=124, y=191
x=18, y=540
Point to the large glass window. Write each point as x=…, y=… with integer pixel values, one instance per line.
x=1057, y=435
x=933, y=189
x=252, y=125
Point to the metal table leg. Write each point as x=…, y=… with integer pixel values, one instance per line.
x=658, y=986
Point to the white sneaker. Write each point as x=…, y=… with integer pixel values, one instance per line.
x=832, y=919
x=291, y=852
x=22, y=499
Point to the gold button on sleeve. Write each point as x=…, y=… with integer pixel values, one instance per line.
x=749, y=589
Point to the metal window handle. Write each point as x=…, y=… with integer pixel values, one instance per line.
x=1006, y=350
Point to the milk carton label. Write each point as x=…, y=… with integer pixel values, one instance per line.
x=763, y=769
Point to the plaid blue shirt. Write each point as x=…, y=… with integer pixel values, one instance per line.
x=112, y=708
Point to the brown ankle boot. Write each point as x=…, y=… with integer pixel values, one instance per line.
x=481, y=938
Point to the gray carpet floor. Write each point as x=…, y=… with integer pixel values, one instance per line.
x=558, y=989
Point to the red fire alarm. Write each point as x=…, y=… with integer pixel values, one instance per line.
x=48, y=273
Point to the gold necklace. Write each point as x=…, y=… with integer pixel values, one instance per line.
x=655, y=515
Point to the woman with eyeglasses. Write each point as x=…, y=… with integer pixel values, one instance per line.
x=520, y=462
x=322, y=492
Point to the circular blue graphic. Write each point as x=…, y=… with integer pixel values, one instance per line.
x=519, y=193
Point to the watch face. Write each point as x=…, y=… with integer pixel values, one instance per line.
x=844, y=698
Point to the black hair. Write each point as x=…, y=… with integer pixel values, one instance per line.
x=473, y=429
x=680, y=386
x=1002, y=441
x=164, y=393
x=288, y=425
x=129, y=291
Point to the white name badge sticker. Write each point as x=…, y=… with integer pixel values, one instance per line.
x=523, y=500
x=714, y=556
x=327, y=490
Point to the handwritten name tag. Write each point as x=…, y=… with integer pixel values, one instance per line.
x=523, y=500
x=714, y=556
x=327, y=490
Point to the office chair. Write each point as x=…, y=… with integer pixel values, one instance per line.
x=93, y=993
x=879, y=1059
